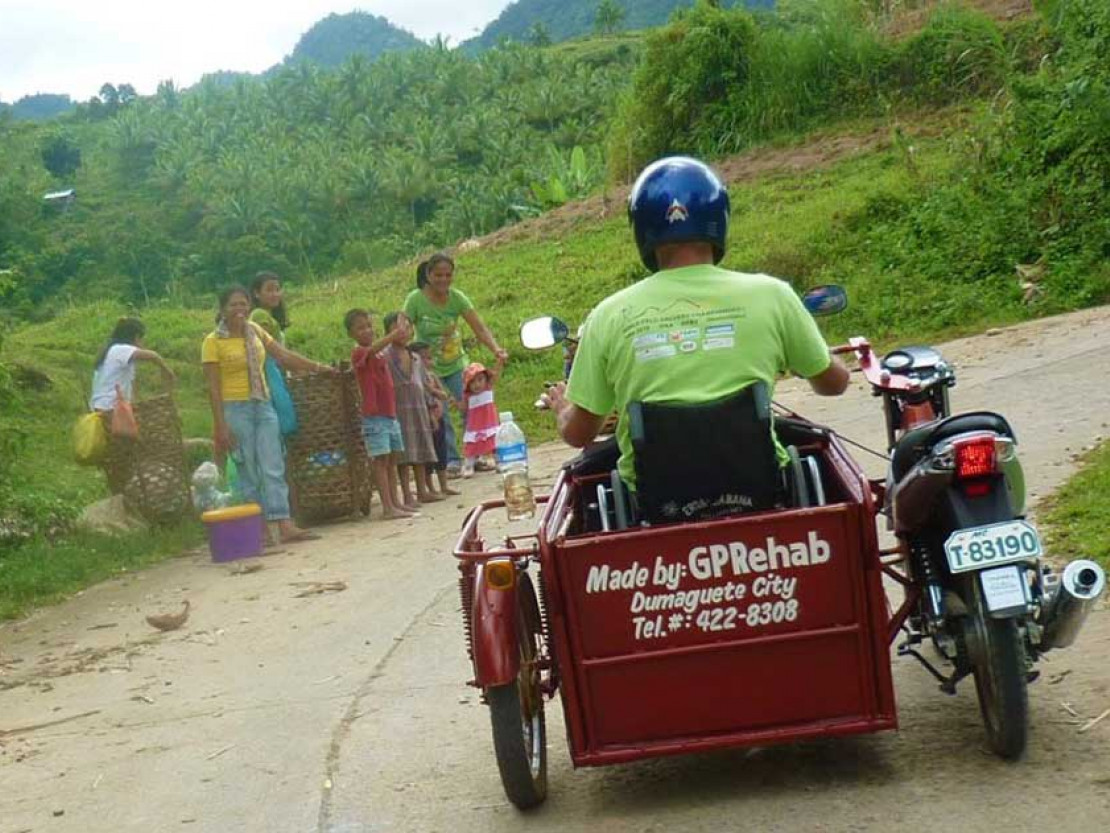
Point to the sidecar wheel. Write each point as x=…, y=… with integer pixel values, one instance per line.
x=519, y=728
x=998, y=663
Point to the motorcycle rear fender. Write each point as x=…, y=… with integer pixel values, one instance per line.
x=913, y=498
x=960, y=511
x=496, y=648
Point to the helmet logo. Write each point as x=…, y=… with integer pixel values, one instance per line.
x=677, y=213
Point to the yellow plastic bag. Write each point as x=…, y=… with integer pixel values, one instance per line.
x=90, y=440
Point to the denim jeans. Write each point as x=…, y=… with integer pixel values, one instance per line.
x=259, y=455
x=454, y=385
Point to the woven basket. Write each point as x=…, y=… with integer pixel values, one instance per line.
x=150, y=471
x=326, y=459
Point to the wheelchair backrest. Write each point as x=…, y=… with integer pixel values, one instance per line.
x=704, y=460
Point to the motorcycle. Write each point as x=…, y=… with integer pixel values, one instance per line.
x=654, y=632
x=976, y=587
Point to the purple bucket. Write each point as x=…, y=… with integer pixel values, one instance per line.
x=235, y=532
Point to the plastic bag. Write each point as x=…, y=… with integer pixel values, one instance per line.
x=231, y=479
x=206, y=489
x=90, y=440
x=280, y=398
x=123, y=418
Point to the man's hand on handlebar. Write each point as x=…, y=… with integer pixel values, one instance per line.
x=555, y=397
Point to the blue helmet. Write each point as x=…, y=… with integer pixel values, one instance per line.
x=678, y=200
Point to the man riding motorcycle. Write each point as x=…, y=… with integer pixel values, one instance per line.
x=691, y=332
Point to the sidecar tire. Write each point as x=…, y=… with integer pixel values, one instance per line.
x=1001, y=681
x=523, y=770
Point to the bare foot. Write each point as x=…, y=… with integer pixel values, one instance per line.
x=431, y=497
x=398, y=514
x=447, y=490
x=291, y=533
x=412, y=508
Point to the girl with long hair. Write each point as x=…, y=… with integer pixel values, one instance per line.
x=115, y=366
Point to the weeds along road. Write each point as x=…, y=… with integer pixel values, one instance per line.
x=347, y=712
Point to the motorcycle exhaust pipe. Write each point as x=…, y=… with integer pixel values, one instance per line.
x=1081, y=585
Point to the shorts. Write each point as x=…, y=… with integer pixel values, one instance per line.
x=382, y=435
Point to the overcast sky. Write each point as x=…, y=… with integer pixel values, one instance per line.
x=74, y=46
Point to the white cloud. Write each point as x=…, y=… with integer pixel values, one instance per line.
x=74, y=46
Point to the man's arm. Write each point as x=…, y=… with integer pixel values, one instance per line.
x=832, y=381
x=577, y=426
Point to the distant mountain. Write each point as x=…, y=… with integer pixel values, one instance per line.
x=564, y=19
x=38, y=107
x=331, y=41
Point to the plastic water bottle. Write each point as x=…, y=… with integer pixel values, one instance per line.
x=512, y=462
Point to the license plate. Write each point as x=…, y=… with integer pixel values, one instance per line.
x=991, y=546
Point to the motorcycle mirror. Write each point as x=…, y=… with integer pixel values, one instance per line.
x=541, y=333
x=826, y=300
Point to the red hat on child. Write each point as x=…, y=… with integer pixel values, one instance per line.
x=472, y=370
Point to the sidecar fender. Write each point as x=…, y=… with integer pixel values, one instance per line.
x=494, y=618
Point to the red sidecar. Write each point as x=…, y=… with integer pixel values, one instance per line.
x=754, y=629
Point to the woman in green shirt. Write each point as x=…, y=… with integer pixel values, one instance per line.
x=269, y=305
x=435, y=307
x=268, y=312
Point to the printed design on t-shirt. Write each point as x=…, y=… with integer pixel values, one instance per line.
x=663, y=351
x=664, y=336
x=664, y=345
x=450, y=344
x=680, y=315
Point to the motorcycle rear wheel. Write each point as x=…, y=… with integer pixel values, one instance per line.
x=998, y=664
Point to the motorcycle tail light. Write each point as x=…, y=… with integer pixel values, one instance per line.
x=500, y=575
x=976, y=458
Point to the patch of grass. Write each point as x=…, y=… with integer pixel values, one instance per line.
x=43, y=572
x=1078, y=516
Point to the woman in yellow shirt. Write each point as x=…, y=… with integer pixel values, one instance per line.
x=246, y=424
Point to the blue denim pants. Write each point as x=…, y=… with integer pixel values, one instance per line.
x=454, y=385
x=259, y=454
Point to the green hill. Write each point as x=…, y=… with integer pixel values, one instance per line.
x=565, y=19
x=331, y=42
x=38, y=107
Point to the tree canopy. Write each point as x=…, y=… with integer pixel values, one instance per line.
x=307, y=171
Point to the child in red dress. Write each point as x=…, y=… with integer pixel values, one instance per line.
x=479, y=441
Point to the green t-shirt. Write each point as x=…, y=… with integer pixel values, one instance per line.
x=265, y=319
x=690, y=335
x=439, y=326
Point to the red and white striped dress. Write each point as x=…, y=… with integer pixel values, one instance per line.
x=481, y=425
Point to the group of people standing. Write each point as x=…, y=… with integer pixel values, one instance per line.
x=410, y=378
